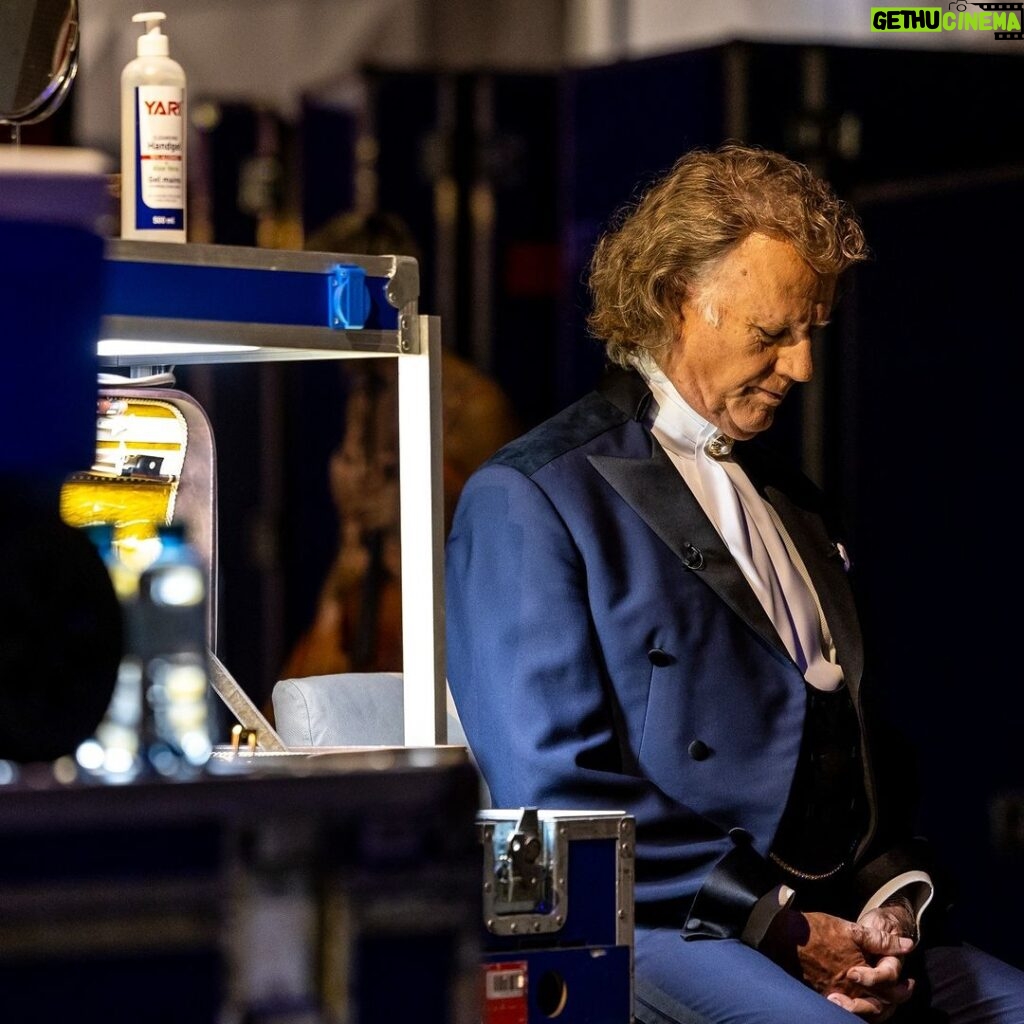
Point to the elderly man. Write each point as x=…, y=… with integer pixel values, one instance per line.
x=649, y=611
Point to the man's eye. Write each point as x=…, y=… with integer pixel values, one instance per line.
x=765, y=333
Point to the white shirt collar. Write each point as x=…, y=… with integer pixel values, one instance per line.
x=674, y=421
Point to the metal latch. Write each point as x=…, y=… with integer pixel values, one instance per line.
x=525, y=873
x=519, y=870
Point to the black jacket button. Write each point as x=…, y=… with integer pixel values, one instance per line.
x=659, y=658
x=693, y=558
x=699, y=750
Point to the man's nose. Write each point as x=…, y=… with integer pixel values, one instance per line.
x=796, y=361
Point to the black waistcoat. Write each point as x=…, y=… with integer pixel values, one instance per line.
x=826, y=814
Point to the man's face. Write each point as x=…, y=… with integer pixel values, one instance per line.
x=745, y=337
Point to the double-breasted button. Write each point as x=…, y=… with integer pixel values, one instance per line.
x=699, y=750
x=693, y=558
x=659, y=658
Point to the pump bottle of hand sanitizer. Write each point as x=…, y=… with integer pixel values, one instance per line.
x=153, y=137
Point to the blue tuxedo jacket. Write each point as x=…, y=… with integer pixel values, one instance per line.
x=605, y=651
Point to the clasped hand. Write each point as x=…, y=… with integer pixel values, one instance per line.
x=857, y=966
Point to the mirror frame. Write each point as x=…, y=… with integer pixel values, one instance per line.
x=60, y=82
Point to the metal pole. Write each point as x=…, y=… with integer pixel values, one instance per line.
x=422, y=525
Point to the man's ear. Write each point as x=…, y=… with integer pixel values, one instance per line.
x=686, y=314
x=687, y=311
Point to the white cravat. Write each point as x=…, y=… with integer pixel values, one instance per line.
x=749, y=527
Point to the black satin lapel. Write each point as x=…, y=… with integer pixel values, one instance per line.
x=825, y=567
x=654, y=490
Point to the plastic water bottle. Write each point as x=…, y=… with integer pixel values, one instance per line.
x=160, y=720
x=167, y=634
x=113, y=753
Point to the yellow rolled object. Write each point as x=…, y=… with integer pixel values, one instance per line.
x=89, y=499
x=133, y=483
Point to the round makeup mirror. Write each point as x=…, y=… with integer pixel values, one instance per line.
x=38, y=58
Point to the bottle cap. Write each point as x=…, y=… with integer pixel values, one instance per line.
x=154, y=43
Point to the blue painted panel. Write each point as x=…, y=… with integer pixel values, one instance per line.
x=594, y=984
x=233, y=294
x=50, y=277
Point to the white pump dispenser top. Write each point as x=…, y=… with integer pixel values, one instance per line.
x=154, y=43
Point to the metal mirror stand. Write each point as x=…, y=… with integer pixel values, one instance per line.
x=38, y=59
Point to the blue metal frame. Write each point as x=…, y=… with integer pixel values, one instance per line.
x=240, y=294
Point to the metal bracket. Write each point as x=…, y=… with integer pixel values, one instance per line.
x=524, y=876
x=349, y=299
x=242, y=707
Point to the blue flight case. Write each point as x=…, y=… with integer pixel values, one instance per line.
x=557, y=916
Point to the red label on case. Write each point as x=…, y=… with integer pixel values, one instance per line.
x=505, y=991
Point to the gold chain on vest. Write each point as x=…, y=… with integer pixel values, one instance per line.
x=806, y=876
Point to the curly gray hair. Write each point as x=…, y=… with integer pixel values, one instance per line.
x=662, y=247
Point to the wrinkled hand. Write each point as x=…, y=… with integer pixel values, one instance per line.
x=855, y=965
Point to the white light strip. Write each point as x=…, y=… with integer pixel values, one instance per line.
x=132, y=347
